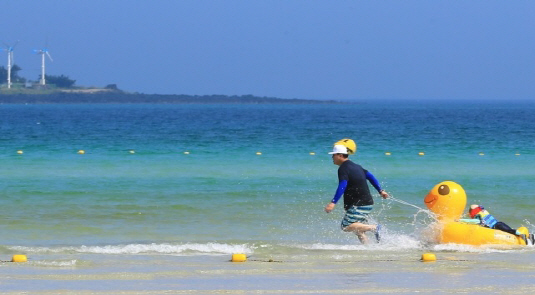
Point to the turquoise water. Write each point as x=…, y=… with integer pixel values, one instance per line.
x=66, y=209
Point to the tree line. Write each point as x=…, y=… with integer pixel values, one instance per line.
x=60, y=81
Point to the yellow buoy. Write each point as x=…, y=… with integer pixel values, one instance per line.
x=517, y=154
x=421, y=154
x=19, y=258
x=81, y=152
x=186, y=153
x=20, y=152
x=312, y=153
x=239, y=258
x=388, y=154
x=426, y=257
x=481, y=154
x=132, y=151
x=258, y=153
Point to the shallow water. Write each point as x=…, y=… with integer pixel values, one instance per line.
x=112, y=221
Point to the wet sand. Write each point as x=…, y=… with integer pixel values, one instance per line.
x=507, y=272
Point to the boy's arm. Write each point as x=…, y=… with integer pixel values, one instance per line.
x=342, y=185
x=376, y=184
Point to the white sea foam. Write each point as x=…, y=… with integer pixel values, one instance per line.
x=66, y=263
x=389, y=243
x=396, y=242
x=153, y=248
x=400, y=242
x=320, y=246
x=475, y=249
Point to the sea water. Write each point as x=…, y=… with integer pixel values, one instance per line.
x=164, y=194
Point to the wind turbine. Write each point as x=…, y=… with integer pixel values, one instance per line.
x=10, y=61
x=43, y=52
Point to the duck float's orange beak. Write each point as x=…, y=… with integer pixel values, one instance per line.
x=430, y=200
x=447, y=200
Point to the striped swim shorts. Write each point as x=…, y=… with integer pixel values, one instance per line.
x=356, y=214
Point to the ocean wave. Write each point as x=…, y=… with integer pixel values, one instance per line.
x=393, y=243
x=153, y=248
x=400, y=243
x=479, y=249
x=67, y=263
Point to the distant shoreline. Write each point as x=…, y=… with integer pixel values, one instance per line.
x=138, y=98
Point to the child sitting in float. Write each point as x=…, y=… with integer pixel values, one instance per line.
x=482, y=217
x=487, y=220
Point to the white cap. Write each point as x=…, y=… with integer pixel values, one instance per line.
x=339, y=149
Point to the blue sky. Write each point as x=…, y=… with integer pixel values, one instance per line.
x=289, y=49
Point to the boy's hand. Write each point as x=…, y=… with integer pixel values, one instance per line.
x=329, y=207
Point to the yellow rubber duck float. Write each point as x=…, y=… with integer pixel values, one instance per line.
x=447, y=200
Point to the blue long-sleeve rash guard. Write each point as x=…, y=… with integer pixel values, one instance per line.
x=342, y=185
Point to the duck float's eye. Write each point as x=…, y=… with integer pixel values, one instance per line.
x=444, y=190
